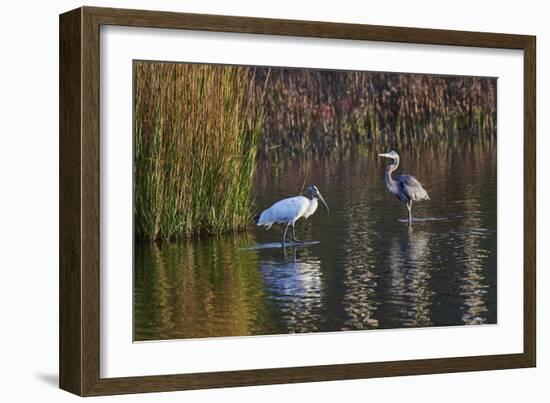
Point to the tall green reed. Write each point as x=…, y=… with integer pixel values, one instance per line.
x=196, y=133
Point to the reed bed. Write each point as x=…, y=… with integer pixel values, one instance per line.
x=196, y=134
x=317, y=112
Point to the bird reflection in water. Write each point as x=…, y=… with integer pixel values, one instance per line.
x=294, y=289
x=409, y=269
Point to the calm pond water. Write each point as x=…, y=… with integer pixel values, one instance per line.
x=366, y=270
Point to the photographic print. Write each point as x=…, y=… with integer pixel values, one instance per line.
x=273, y=200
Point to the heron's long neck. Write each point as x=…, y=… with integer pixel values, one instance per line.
x=390, y=183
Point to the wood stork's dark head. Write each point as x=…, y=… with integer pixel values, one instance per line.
x=313, y=193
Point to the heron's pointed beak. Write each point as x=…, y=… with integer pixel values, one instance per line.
x=386, y=155
x=323, y=200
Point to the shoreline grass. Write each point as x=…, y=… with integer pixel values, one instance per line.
x=196, y=134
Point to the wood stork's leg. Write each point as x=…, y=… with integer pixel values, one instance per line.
x=294, y=233
x=409, y=207
x=284, y=235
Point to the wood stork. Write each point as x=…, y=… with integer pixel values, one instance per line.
x=405, y=187
x=288, y=211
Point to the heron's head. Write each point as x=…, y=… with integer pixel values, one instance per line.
x=392, y=155
x=313, y=193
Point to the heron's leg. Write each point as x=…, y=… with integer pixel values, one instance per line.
x=284, y=234
x=294, y=233
x=409, y=207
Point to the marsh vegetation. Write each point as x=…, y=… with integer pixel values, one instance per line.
x=201, y=129
x=196, y=137
x=317, y=112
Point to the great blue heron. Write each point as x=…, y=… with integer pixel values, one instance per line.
x=288, y=211
x=405, y=187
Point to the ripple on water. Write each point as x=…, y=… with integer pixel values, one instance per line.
x=363, y=269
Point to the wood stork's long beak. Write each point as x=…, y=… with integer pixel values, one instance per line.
x=386, y=155
x=323, y=200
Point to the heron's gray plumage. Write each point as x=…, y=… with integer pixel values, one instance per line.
x=405, y=187
x=411, y=188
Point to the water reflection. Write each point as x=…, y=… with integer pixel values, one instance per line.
x=364, y=270
x=409, y=271
x=293, y=288
x=360, y=279
x=473, y=287
x=200, y=288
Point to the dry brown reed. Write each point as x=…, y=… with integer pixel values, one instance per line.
x=321, y=112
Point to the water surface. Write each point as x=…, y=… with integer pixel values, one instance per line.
x=362, y=269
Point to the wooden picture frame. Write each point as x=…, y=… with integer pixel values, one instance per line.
x=79, y=346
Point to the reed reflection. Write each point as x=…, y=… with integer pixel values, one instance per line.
x=198, y=289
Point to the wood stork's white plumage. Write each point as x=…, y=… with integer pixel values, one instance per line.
x=288, y=211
